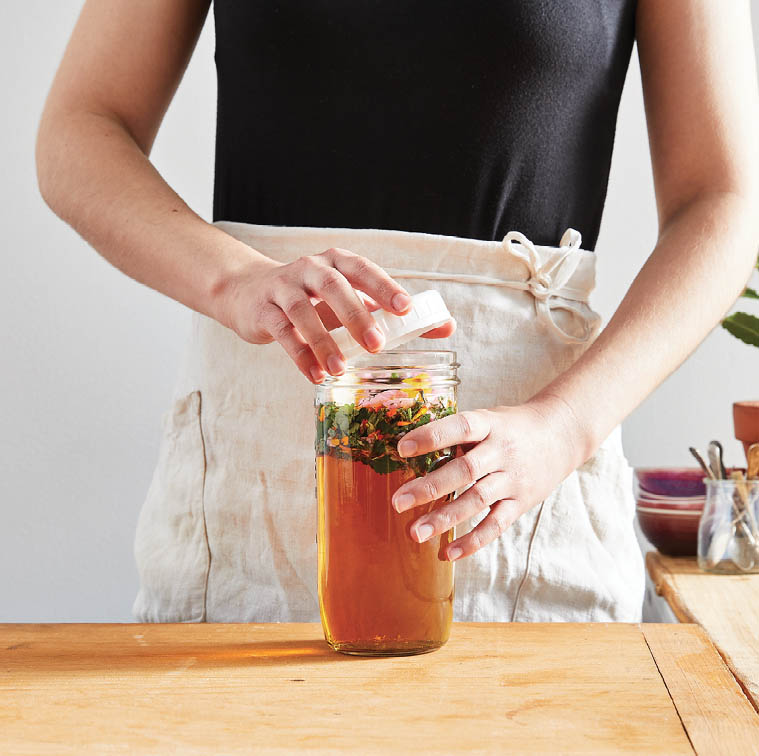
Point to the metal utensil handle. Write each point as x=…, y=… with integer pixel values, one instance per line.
x=702, y=462
x=714, y=451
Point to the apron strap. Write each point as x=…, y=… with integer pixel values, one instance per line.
x=548, y=282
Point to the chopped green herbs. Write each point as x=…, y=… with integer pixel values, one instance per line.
x=370, y=434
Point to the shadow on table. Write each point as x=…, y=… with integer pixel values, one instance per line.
x=29, y=658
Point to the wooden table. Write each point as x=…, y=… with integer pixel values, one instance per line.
x=164, y=689
x=726, y=606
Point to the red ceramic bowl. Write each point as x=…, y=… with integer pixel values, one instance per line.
x=671, y=481
x=695, y=503
x=673, y=532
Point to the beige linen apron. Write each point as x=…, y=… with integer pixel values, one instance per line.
x=227, y=532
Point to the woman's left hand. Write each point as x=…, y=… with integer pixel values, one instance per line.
x=514, y=456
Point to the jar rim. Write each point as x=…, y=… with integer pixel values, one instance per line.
x=730, y=482
x=404, y=358
x=384, y=369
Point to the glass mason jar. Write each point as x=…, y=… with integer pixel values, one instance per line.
x=728, y=532
x=380, y=592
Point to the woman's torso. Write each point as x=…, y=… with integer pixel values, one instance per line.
x=227, y=532
x=464, y=119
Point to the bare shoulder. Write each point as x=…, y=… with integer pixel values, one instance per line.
x=125, y=59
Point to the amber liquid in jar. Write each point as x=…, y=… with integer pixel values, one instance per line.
x=380, y=592
x=379, y=589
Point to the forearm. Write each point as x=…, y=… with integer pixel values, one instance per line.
x=95, y=177
x=699, y=266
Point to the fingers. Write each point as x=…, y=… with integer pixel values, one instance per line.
x=302, y=315
x=298, y=350
x=331, y=321
x=331, y=285
x=480, y=496
x=501, y=516
x=456, y=474
x=367, y=276
x=371, y=305
x=327, y=315
x=318, y=293
x=441, y=332
x=462, y=428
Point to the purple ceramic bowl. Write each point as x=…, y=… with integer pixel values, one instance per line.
x=673, y=532
x=679, y=482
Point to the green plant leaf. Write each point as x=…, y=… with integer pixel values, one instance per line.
x=385, y=464
x=348, y=431
x=743, y=326
x=750, y=293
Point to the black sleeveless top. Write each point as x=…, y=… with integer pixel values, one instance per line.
x=460, y=118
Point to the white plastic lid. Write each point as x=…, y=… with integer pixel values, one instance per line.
x=427, y=311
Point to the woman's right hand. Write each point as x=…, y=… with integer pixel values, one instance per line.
x=297, y=303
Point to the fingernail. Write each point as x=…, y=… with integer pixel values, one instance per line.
x=373, y=339
x=401, y=302
x=423, y=532
x=407, y=448
x=335, y=364
x=404, y=501
x=317, y=374
x=455, y=553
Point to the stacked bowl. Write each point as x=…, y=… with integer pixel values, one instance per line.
x=669, y=506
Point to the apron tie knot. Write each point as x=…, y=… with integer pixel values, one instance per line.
x=540, y=287
x=547, y=281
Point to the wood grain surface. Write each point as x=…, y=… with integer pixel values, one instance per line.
x=718, y=718
x=726, y=606
x=192, y=689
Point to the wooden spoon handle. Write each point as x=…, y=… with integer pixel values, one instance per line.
x=753, y=461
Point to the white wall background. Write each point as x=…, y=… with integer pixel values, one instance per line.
x=88, y=357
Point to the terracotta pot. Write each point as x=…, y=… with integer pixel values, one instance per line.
x=746, y=423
